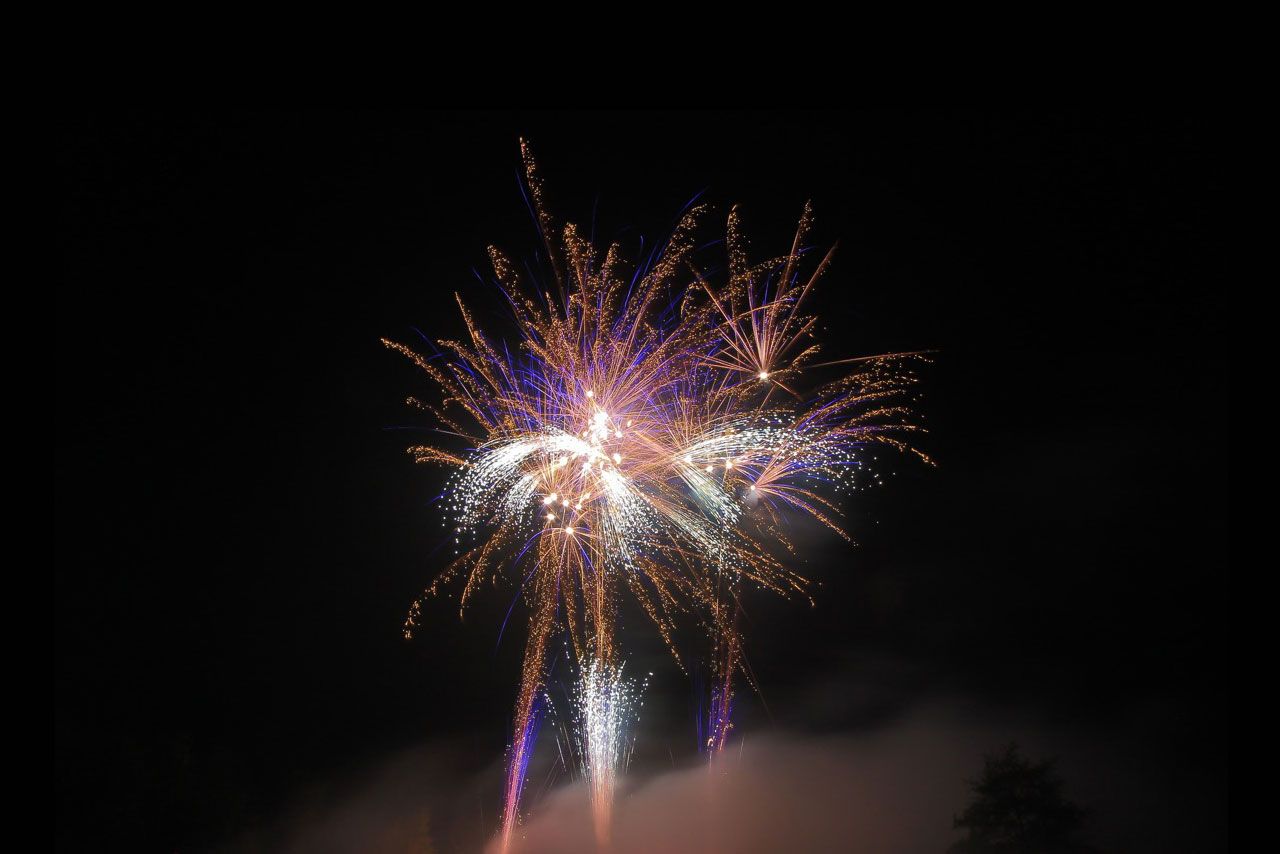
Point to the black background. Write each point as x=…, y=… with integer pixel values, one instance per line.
x=238, y=532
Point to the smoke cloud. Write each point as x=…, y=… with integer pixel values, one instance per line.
x=892, y=789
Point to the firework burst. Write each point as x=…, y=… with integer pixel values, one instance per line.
x=644, y=434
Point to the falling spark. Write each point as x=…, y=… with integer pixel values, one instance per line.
x=605, y=706
x=626, y=387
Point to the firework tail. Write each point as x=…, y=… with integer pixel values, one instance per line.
x=525, y=726
x=726, y=653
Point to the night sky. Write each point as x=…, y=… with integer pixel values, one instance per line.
x=239, y=533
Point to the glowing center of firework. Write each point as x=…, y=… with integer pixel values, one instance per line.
x=601, y=430
x=571, y=468
x=764, y=375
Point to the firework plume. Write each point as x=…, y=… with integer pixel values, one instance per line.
x=644, y=434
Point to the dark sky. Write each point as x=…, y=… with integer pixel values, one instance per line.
x=238, y=532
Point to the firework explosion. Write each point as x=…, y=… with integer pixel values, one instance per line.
x=645, y=435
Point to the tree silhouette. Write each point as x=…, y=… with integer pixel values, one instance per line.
x=1018, y=808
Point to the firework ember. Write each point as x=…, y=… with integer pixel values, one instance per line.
x=644, y=434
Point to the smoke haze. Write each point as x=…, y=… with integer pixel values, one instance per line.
x=889, y=790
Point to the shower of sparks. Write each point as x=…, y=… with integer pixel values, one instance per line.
x=646, y=432
x=604, y=705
